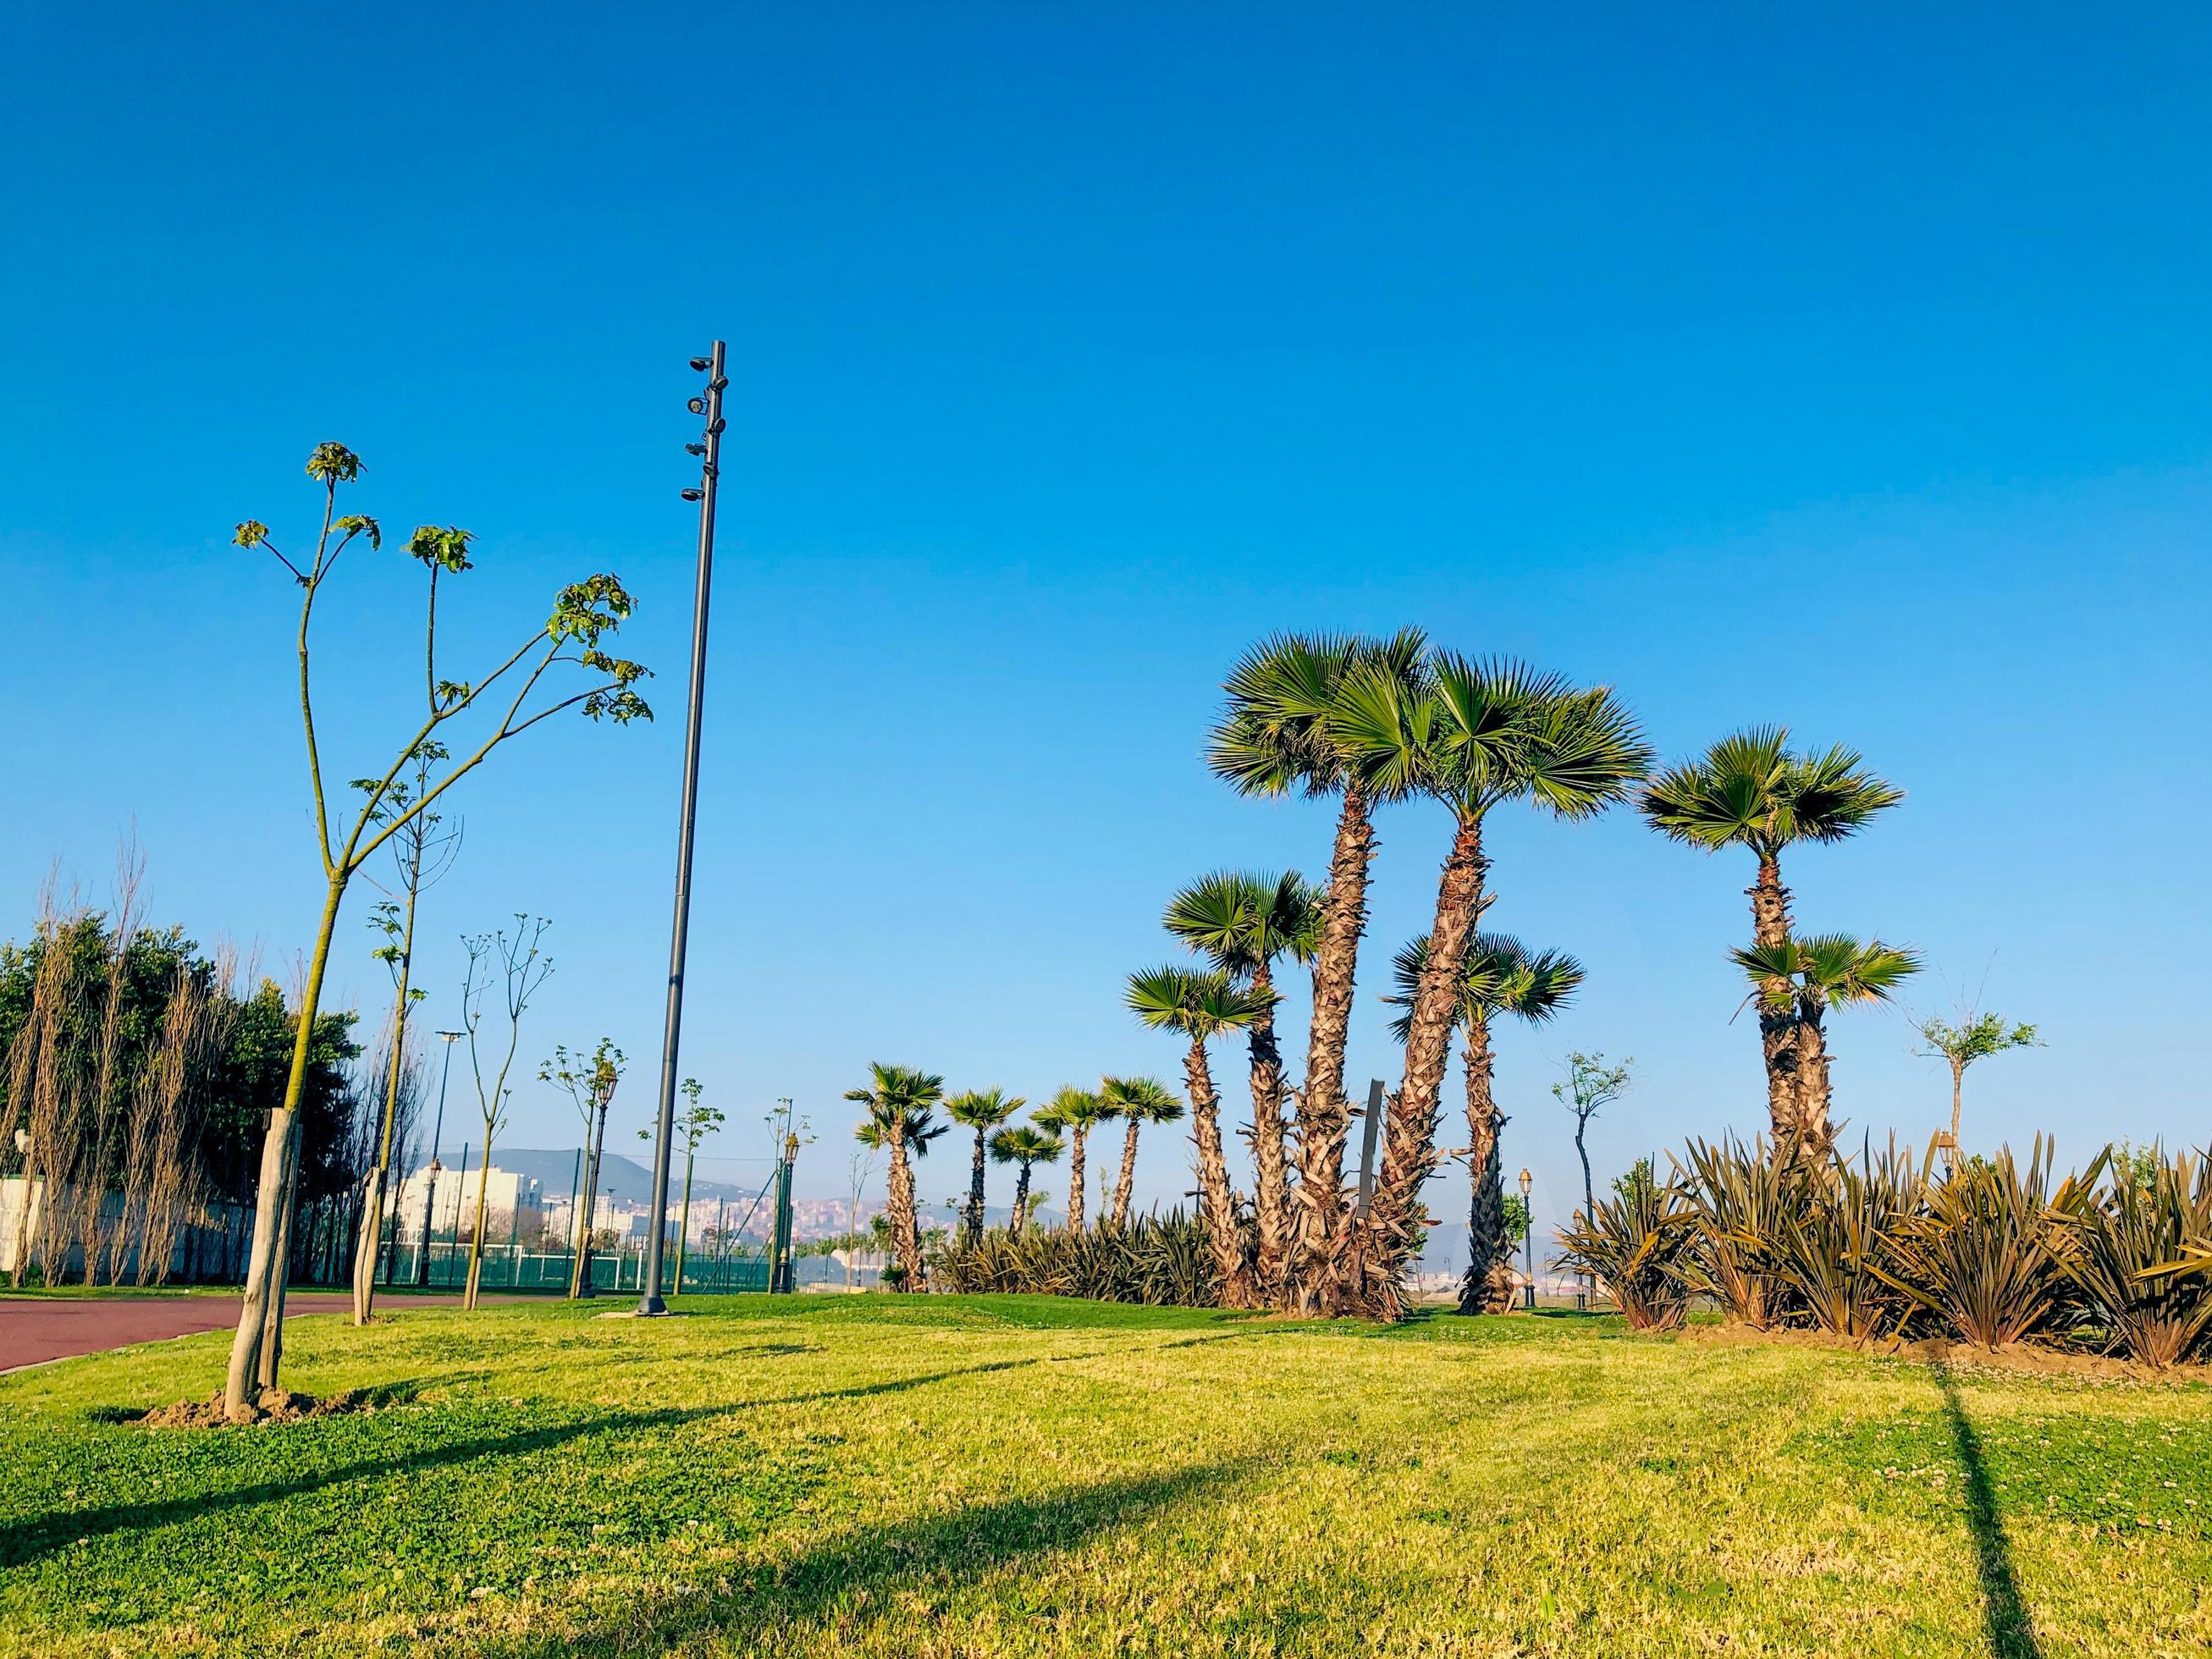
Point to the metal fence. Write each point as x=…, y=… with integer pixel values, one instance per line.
x=507, y=1268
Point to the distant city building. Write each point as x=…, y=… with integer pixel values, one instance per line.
x=513, y=1204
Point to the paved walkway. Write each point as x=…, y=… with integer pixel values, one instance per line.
x=33, y=1330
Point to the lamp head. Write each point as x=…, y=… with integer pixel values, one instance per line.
x=1527, y=1181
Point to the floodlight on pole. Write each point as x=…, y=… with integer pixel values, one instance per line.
x=709, y=403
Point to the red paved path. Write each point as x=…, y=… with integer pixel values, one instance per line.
x=35, y=1330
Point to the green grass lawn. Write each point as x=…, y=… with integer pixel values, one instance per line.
x=1015, y=1475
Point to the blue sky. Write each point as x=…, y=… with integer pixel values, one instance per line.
x=1848, y=372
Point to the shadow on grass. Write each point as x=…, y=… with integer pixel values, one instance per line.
x=870, y=1568
x=2005, y=1620
x=29, y=1541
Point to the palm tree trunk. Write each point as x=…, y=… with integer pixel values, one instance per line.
x=1778, y=1018
x=1391, y=1236
x=1271, y=1189
x=1219, y=1208
x=1019, y=1217
x=906, y=1240
x=975, y=1189
x=1075, y=1201
x=1958, y=1087
x=1815, y=1131
x=1322, y=1112
x=1487, y=1247
x=1125, y=1188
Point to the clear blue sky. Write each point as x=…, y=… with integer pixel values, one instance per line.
x=1853, y=374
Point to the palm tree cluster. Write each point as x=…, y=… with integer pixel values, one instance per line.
x=1367, y=722
x=2116, y=1260
x=900, y=1106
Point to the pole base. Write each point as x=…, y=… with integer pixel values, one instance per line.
x=649, y=1306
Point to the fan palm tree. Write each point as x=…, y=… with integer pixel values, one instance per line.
x=981, y=1110
x=1076, y=1112
x=1199, y=1007
x=1026, y=1146
x=1135, y=1101
x=900, y=1102
x=1814, y=974
x=1470, y=734
x=1276, y=736
x=1750, y=790
x=1500, y=975
x=1241, y=923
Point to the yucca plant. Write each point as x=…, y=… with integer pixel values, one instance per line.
x=2138, y=1249
x=1982, y=1255
x=1740, y=1193
x=1159, y=1260
x=1837, y=1248
x=1636, y=1244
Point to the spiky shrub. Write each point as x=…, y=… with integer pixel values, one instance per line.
x=1740, y=1193
x=1981, y=1255
x=1837, y=1246
x=2135, y=1242
x=1158, y=1261
x=1638, y=1245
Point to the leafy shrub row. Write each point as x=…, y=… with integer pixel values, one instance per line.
x=2117, y=1258
x=1159, y=1260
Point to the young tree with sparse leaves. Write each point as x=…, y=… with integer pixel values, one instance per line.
x=1974, y=1037
x=523, y=966
x=590, y=1082
x=422, y=854
x=585, y=616
x=694, y=1123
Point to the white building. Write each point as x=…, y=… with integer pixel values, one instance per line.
x=512, y=1202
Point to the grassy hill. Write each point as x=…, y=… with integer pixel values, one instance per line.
x=955, y=1476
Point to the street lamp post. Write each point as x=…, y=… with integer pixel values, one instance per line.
x=430, y=1175
x=1528, y=1236
x=709, y=450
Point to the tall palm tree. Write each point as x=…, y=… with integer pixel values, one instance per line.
x=1024, y=1145
x=1751, y=790
x=1199, y=1007
x=1814, y=974
x=1276, y=736
x=900, y=1101
x=981, y=1110
x=1241, y=923
x=1470, y=734
x=1076, y=1112
x=1135, y=1101
x=1500, y=975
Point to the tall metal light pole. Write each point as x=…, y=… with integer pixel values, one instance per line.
x=709, y=450
x=1528, y=1234
x=430, y=1175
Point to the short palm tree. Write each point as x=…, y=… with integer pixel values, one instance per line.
x=1199, y=1007
x=1501, y=975
x=1276, y=737
x=900, y=1101
x=1814, y=974
x=981, y=1110
x=1471, y=734
x=1074, y=1112
x=1135, y=1101
x=1243, y=923
x=1026, y=1146
x=1751, y=790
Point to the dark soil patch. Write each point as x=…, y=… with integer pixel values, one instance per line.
x=275, y=1406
